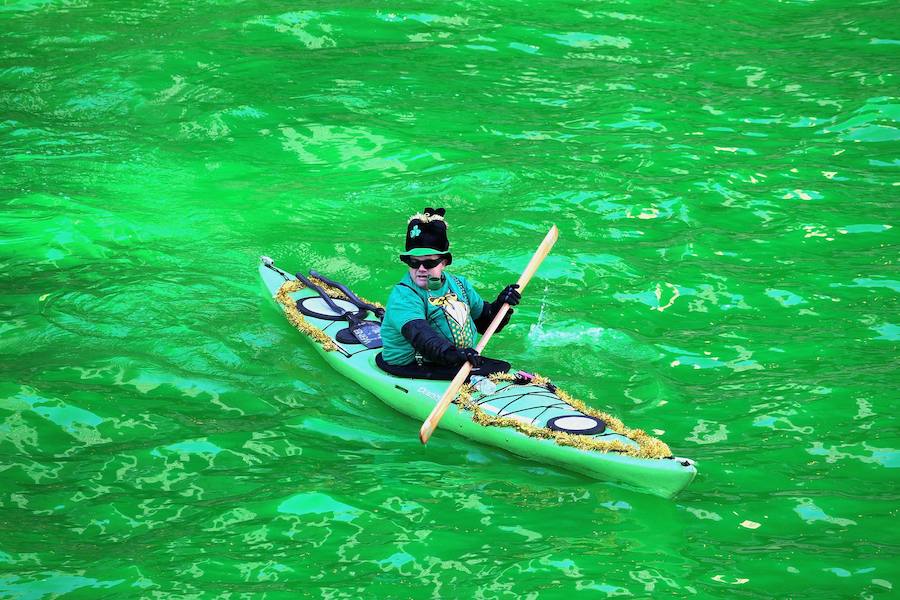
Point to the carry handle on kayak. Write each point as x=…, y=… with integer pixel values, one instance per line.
x=269, y=263
x=438, y=411
x=354, y=299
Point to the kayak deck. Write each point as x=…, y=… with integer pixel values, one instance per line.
x=526, y=415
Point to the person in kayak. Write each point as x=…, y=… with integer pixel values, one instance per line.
x=432, y=315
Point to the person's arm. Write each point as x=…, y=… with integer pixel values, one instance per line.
x=510, y=295
x=436, y=348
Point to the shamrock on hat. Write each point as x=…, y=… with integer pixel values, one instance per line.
x=426, y=233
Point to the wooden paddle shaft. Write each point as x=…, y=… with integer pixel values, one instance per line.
x=434, y=418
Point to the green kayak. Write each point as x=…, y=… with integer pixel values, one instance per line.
x=519, y=412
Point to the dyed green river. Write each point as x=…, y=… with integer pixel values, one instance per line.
x=724, y=177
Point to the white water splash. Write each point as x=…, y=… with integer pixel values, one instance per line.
x=537, y=329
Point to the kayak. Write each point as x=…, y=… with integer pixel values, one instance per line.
x=520, y=412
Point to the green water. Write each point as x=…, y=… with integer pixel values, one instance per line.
x=724, y=177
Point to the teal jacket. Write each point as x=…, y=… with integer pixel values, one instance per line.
x=449, y=310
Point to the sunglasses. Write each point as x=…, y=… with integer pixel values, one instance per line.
x=416, y=263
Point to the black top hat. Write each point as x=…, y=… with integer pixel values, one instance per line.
x=426, y=233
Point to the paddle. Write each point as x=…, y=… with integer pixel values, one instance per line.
x=354, y=299
x=367, y=333
x=431, y=422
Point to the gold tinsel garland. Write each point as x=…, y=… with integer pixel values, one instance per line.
x=289, y=305
x=648, y=446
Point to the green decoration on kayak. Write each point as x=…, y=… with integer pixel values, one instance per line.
x=518, y=412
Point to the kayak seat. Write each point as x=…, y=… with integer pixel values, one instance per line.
x=438, y=372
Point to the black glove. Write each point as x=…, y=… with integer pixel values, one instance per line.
x=471, y=355
x=510, y=295
x=487, y=315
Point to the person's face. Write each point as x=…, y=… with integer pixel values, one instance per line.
x=420, y=273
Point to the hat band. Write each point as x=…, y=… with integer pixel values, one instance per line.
x=423, y=252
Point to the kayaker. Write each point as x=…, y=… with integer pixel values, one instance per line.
x=432, y=315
